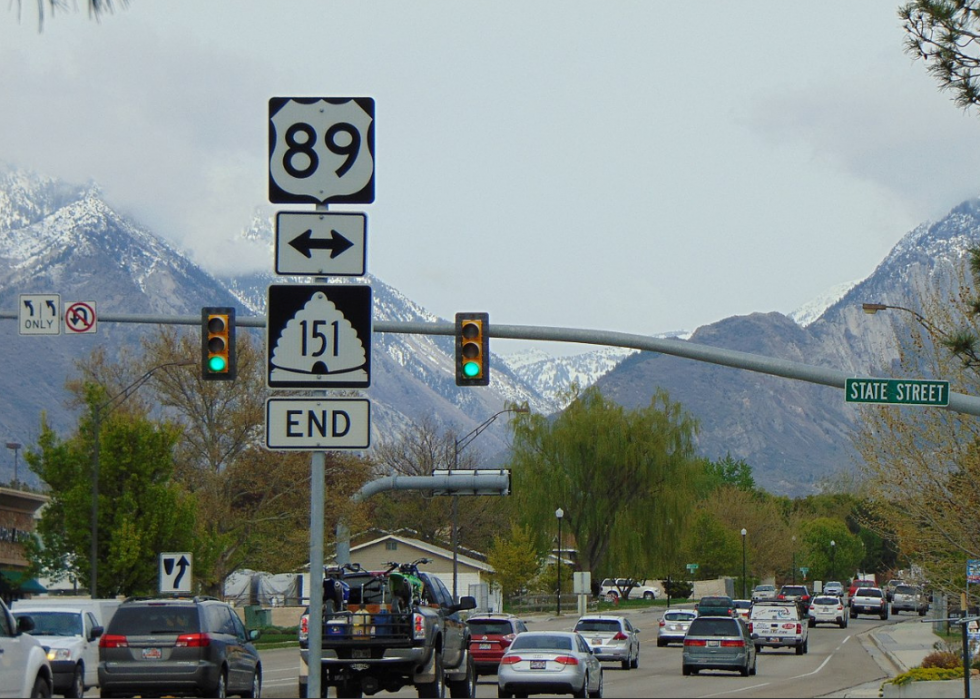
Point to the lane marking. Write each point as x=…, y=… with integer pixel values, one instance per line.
x=826, y=660
x=735, y=691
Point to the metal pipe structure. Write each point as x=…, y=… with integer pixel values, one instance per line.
x=560, y=515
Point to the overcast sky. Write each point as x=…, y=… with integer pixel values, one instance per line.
x=634, y=166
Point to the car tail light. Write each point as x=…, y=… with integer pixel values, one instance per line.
x=733, y=644
x=840, y=607
x=510, y=659
x=663, y=623
x=799, y=628
x=811, y=607
x=113, y=642
x=620, y=636
x=694, y=642
x=781, y=597
x=193, y=640
x=304, y=625
x=750, y=626
x=418, y=627
x=566, y=660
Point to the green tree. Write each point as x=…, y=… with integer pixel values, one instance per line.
x=515, y=559
x=825, y=561
x=715, y=547
x=142, y=512
x=729, y=471
x=619, y=475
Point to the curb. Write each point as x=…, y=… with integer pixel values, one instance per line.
x=897, y=664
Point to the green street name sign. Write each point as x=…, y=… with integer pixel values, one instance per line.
x=897, y=391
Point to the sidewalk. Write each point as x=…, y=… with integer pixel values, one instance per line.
x=896, y=649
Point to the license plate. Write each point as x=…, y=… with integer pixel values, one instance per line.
x=773, y=640
x=486, y=646
x=713, y=644
x=538, y=664
x=360, y=653
x=597, y=641
x=152, y=654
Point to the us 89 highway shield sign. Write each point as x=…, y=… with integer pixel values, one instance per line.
x=321, y=150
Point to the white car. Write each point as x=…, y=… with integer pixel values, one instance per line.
x=828, y=609
x=674, y=626
x=71, y=636
x=611, y=588
x=760, y=592
x=779, y=625
x=611, y=638
x=24, y=667
x=552, y=662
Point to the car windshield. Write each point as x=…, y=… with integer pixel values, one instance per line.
x=54, y=623
x=827, y=600
x=543, y=642
x=868, y=592
x=713, y=626
x=793, y=590
x=678, y=616
x=489, y=627
x=600, y=625
x=154, y=620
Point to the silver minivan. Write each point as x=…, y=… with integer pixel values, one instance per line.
x=718, y=643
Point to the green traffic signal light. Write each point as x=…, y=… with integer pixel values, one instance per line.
x=471, y=369
x=217, y=364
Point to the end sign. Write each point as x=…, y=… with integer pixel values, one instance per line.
x=897, y=391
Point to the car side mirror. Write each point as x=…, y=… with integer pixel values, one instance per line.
x=253, y=634
x=25, y=624
x=465, y=602
x=635, y=630
x=96, y=632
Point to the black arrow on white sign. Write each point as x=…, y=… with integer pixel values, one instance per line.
x=305, y=243
x=183, y=563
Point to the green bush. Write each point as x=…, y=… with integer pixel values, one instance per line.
x=926, y=674
x=679, y=589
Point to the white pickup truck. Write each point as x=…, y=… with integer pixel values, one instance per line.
x=779, y=625
x=869, y=600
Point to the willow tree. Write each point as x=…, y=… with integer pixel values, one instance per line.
x=618, y=475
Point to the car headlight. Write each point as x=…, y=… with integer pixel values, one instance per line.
x=59, y=654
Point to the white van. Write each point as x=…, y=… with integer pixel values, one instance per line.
x=71, y=630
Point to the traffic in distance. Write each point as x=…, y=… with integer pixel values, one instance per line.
x=399, y=630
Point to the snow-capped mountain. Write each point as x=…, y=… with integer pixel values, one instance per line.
x=813, y=309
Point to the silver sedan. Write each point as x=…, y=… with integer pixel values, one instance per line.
x=549, y=662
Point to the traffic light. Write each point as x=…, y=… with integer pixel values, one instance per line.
x=218, y=344
x=472, y=349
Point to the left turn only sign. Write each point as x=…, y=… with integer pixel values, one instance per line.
x=39, y=314
x=175, y=572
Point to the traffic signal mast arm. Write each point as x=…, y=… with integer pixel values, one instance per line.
x=825, y=376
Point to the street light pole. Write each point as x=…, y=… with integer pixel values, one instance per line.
x=559, y=514
x=458, y=446
x=98, y=413
x=833, y=559
x=794, y=560
x=744, y=532
x=15, y=446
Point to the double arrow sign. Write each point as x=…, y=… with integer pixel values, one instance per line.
x=321, y=243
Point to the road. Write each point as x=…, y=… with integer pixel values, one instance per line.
x=837, y=660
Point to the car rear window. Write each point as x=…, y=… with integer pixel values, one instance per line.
x=868, y=592
x=716, y=601
x=905, y=590
x=527, y=642
x=791, y=590
x=713, y=626
x=488, y=627
x=153, y=620
x=610, y=625
x=773, y=612
x=678, y=616
x=826, y=600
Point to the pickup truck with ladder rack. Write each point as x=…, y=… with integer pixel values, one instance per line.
x=386, y=630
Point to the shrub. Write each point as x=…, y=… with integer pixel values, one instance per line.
x=945, y=659
x=926, y=674
x=679, y=589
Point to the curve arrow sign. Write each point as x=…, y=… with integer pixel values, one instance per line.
x=305, y=243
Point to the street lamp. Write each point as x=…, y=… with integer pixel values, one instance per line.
x=833, y=559
x=458, y=446
x=98, y=413
x=872, y=308
x=794, y=560
x=559, y=515
x=743, y=561
x=15, y=446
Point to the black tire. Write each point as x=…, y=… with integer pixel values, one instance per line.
x=636, y=661
x=584, y=692
x=842, y=624
x=800, y=650
x=755, y=667
x=626, y=664
x=77, y=688
x=883, y=615
x=41, y=688
x=758, y=649
x=744, y=671
x=221, y=689
x=501, y=694
x=685, y=670
x=465, y=687
x=436, y=688
x=649, y=595
x=256, y=691
x=661, y=643
x=922, y=612
x=806, y=646
x=351, y=689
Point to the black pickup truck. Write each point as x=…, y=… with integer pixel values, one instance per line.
x=386, y=630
